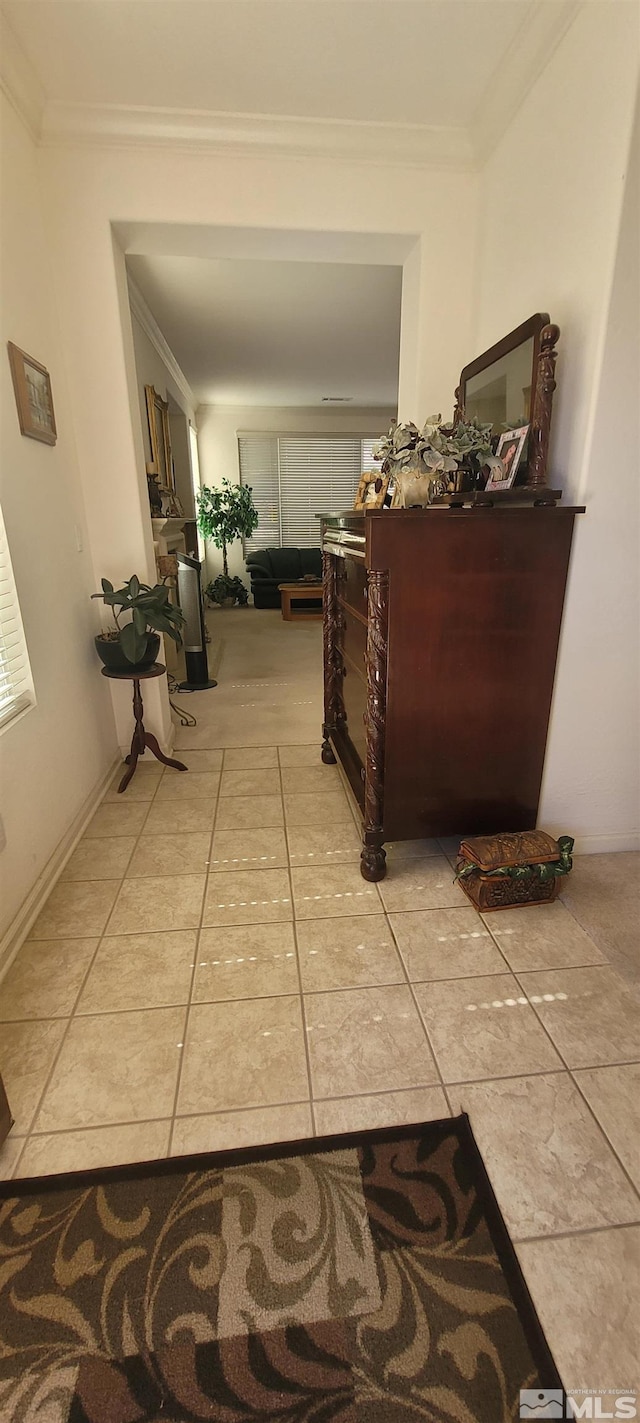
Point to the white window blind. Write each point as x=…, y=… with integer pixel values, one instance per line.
x=16, y=685
x=296, y=477
x=369, y=465
x=259, y=469
x=317, y=476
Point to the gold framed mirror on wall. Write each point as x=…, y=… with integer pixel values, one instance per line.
x=160, y=440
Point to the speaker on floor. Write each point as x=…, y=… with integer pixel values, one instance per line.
x=195, y=648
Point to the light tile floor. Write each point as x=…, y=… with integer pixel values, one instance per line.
x=211, y=971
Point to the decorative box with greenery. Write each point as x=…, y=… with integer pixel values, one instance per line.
x=136, y=643
x=225, y=514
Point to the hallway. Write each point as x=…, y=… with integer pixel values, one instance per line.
x=212, y=971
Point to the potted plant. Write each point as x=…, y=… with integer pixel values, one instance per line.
x=227, y=591
x=422, y=461
x=225, y=514
x=136, y=643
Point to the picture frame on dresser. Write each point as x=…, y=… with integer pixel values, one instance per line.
x=509, y=449
x=372, y=490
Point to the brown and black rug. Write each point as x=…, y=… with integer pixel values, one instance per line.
x=363, y=1277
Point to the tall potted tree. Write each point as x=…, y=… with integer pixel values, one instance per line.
x=225, y=514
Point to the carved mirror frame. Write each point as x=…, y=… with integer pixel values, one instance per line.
x=545, y=338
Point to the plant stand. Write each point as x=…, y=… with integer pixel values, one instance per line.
x=141, y=738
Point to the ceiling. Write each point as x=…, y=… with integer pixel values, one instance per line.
x=380, y=61
x=277, y=332
x=416, y=82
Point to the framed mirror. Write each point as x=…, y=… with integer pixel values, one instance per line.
x=160, y=439
x=512, y=385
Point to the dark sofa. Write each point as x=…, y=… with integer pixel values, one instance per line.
x=270, y=566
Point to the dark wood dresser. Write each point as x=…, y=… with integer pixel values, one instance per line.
x=441, y=631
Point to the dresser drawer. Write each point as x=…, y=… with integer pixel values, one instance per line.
x=351, y=576
x=354, y=696
x=351, y=637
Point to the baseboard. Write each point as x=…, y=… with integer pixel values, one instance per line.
x=30, y=908
x=607, y=844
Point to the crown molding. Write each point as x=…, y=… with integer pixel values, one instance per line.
x=413, y=145
x=19, y=82
x=54, y=123
x=542, y=30
x=145, y=318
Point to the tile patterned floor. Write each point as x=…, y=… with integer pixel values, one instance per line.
x=211, y=971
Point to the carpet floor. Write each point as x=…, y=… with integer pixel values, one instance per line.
x=363, y=1277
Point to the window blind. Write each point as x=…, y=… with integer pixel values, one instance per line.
x=317, y=476
x=16, y=685
x=369, y=465
x=259, y=469
x=296, y=477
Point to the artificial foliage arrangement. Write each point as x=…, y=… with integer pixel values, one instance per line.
x=136, y=642
x=435, y=452
x=225, y=589
x=225, y=514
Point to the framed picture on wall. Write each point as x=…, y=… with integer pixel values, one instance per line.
x=32, y=386
x=160, y=438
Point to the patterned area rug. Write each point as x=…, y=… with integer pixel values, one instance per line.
x=364, y=1277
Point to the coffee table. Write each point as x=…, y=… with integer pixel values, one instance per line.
x=293, y=593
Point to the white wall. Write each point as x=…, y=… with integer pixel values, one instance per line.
x=594, y=753
x=87, y=189
x=54, y=756
x=552, y=196
x=218, y=428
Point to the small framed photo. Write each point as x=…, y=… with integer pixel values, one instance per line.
x=372, y=490
x=32, y=386
x=510, y=447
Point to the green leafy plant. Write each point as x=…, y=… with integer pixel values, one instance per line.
x=225, y=514
x=150, y=609
x=436, y=448
x=224, y=587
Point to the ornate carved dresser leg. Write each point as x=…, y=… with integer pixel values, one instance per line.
x=373, y=858
x=331, y=695
x=373, y=861
x=326, y=753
